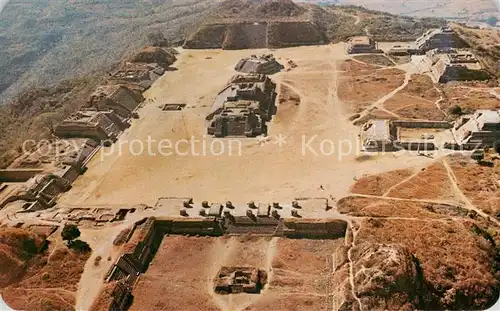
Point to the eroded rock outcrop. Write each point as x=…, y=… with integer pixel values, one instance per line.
x=385, y=276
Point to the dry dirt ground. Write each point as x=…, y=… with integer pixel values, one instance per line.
x=456, y=180
x=310, y=109
x=480, y=184
x=454, y=260
x=362, y=83
x=381, y=183
x=181, y=276
x=420, y=99
x=35, y=277
x=265, y=170
x=471, y=96
x=445, y=215
x=375, y=59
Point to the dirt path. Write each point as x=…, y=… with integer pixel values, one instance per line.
x=378, y=104
x=463, y=197
x=101, y=242
x=401, y=182
x=351, y=265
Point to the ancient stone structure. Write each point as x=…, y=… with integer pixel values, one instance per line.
x=314, y=229
x=118, y=98
x=385, y=135
x=39, y=192
x=442, y=38
x=439, y=39
x=98, y=125
x=136, y=76
x=361, y=44
x=38, y=176
x=235, y=280
x=152, y=54
x=481, y=129
x=400, y=50
x=258, y=24
x=265, y=64
x=144, y=238
x=418, y=135
x=57, y=156
x=376, y=136
x=243, y=107
x=455, y=65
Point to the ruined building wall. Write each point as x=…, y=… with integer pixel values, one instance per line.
x=294, y=34
x=245, y=36
x=462, y=73
x=314, y=229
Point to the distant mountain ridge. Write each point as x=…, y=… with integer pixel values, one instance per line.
x=50, y=40
x=474, y=9
x=46, y=41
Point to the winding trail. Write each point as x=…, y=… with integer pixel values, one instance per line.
x=463, y=197
x=351, y=265
x=401, y=182
x=380, y=102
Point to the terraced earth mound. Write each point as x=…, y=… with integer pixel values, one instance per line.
x=282, y=23
x=258, y=24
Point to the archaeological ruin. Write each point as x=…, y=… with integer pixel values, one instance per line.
x=264, y=64
x=362, y=44
x=243, y=107
x=136, y=76
x=154, y=55
x=57, y=156
x=376, y=136
x=36, y=178
x=261, y=25
x=478, y=130
x=442, y=38
x=455, y=65
x=118, y=98
x=143, y=240
x=234, y=280
x=394, y=135
x=37, y=193
x=98, y=125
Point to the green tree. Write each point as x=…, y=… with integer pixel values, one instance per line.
x=80, y=246
x=456, y=110
x=69, y=233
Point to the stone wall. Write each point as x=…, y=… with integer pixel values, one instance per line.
x=263, y=34
x=422, y=124
x=313, y=229
x=18, y=175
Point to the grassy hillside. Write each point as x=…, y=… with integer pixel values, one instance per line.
x=486, y=45
x=45, y=41
x=382, y=26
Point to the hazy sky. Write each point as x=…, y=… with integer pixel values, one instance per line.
x=4, y=2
